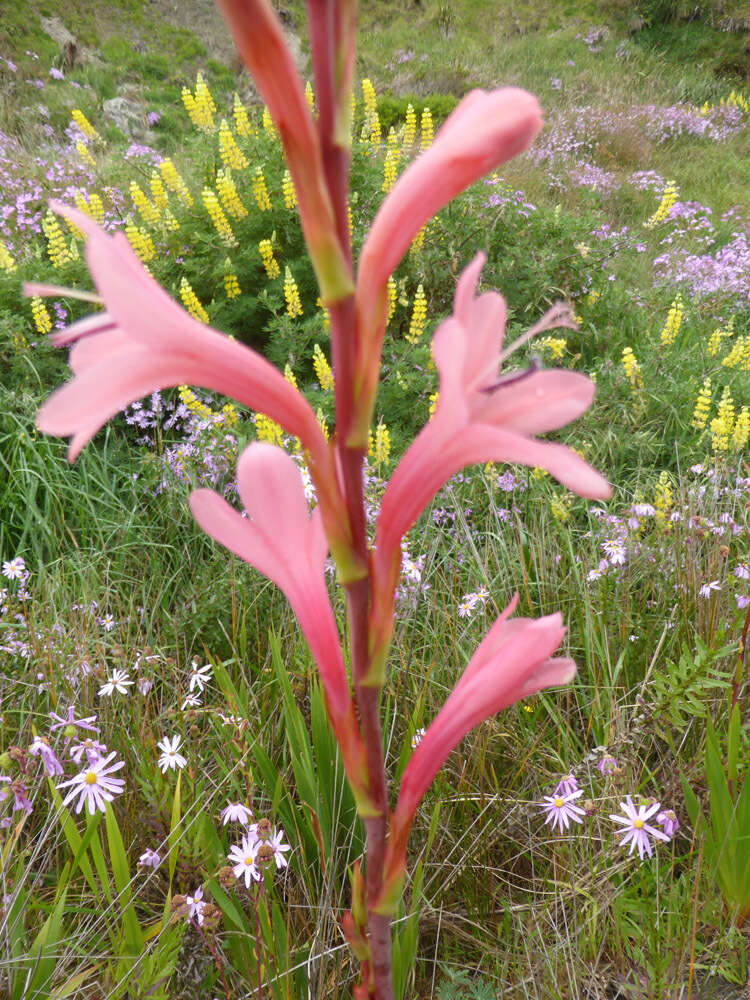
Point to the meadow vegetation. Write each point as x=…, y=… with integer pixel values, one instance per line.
x=634, y=206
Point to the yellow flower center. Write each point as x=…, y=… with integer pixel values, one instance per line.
x=559, y=802
x=638, y=824
x=91, y=778
x=248, y=860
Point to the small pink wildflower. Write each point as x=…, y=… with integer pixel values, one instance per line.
x=567, y=785
x=237, y=812
x=95, y=787
x=560, y=809
x=635, y=828
x=149, y=859
x=242, y=858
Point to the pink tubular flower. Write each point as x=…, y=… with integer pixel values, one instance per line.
x=282, y=540
x=486, y=129
x=260, y=40
x=479, y=418
x=512, y=662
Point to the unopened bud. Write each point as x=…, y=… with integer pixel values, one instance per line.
x=264, y=855
x=211, y=916
x=179, y=906
x=263, y=829
x=70, y=732
x=15, y=753
x=225, y=877
x=590, y=807
x=723, y=551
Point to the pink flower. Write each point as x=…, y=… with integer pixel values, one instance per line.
x=479, y=418
x=285, y=542
x=144, y=341
x=260, y=40
x=486, y=129
x=560, y=809
x=511, y=663
x=635, y=828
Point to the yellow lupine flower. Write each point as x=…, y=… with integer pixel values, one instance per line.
x=309, y=95
x=665, y=206
x=200, y=107
x=418, y=316
x=663, y=498
x=57, y=248
x=231, y=285
x=323, y=370
x=83, y=151
x=372, y=119
x=195, y=405
x=148, y=211
x=219, y=219
x=560, y=506
x=674, y=321
x=268, y=430
x=723, y=423
x=291, y=294
x=7, y=263
x=203, y=94
x=230, y=153
x=40, y=315
x=428, y=130
x=158, y=192
x=379, y=445
x=632, y=368
x=269, y=261
x=228, y=193
x=326, y=315
x=268, y=124
x=410, y=129
x=323, y=423
x=92, y=207
x=741, y=431
x=191, y=301
x=702, y=406
x=260, y=191
x=390, y=169
x=242, y=123
x=173, y=180
x=85, y=125
x=555, y=346
x=140, y=241
x=538, y=473
x=290, y=195
x=392, y=297
x=739, y=356
x=418, y=242
x=290, y=376
x=433, y=397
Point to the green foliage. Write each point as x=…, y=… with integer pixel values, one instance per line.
x=392, y=110
x=687, y=688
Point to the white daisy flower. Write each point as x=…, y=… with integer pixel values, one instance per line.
x=170, y=758
x=94, y=786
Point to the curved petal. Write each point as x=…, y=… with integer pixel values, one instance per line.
x=543, y=401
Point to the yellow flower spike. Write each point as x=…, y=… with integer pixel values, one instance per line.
x=269, y=261
x=418, y=242
x=7, y=263
x=392, y=297
x=290, y=376
x=83, y=151
x=433, y=398
x=228, y=193
x=203, y=94
x=198, y=109
x=741, y=431
x=714, y=342
x=57, y=248
x=538, y=473
x=323, y=423
x=230, y=153
x=560, y=506
x=173, y=179
x=40, y=316
x=665, y=206
x=326, y=315
x=231, y=286
x=632, y=368
x=350, y=219
x=702, y=406
x=92, y=207
x=290, y=194
x=739, y=356
x=323, y=370
x=291, y=294
x=390, y=169
x=554, y=346
x=85, y=125
x=191, y=301
x=242, y=123
x=663, y=498
x=427, y=130
x=260, y=191
x=219, y=219
x=382, y=450
x=140, y=241
x=674, y=321
x=147, y=210
x=722, y=425
x=195, y=405
x=372, y=119
x=410, y=129
x=418, y=316
x=268, y=124
x=310, y=96
x=268, y=430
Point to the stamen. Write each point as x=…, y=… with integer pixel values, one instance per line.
x=559, y=315
x=44, y=291
x=504, y=380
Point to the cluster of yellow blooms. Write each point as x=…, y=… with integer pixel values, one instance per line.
x=390, y=167
x=632, y=368
x=268, y=125
x=702, y=406
x=379, y=445
x=221, y=222
x=428, y=130
x=196, y=406
x=560, y=505
x=674, y=321
x=410, y=129
x=554, y=346
x=735, y=100
x=173, y=179
x=57, y=248
x=260, y=191
x=191, y=302
x=83, y=151
x=418, y=316
x=309, y=95
x=231, y=285
x=326, y=315
x=7, y=263
x=739, y=356
x=242, y=123
x=434, y=396
x=322, y=369
x=722, y=424
x=719, y=334
x=323, y=422
x=663, y=499
x=147, y=210
x=741, y=433
x=159, y=193
x=372, y=120
x=291, y=294
x=200, y=106
x=290, y=194
x=268, y=430
x=665, y=206
x=92, y=206
x=269, y=261
x=392, y=297
x=230, y=198
x=140, y=241
x=40, y=316
x=85, y=125
x=230, y=153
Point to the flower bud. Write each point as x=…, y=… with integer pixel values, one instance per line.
x=225, y=877
x=15, y=753
x=211, y=916
x=263, y=829
x=70, y=732
x=264, y=855
x=179, y=907
x=589, y=807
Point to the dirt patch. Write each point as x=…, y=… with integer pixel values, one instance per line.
x=203, y=18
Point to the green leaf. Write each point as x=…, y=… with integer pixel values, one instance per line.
x=132, y=933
